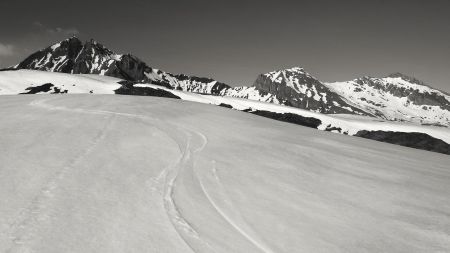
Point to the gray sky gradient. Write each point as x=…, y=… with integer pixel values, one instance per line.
x=234, y=41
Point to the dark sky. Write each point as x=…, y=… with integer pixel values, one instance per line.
x=234, y=41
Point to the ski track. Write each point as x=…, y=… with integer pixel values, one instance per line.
x=23, y=228
x=167, y=179
x=233, y=216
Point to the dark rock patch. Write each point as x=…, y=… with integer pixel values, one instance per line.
x=412, y=140
x=332, y=128
x=41, y=88
x=129, y=89
x=290, y=117
x=226, y=105
x=57, y=90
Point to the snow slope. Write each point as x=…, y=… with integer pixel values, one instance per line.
x=99, y=173
x=15, y=82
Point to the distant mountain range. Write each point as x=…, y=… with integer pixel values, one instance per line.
x=395, y=97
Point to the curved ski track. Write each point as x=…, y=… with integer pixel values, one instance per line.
x=189, y=143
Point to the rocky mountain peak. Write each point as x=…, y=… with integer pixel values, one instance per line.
x=406, y=78
x=96, y=47
x=295, y=69
x=290, y=73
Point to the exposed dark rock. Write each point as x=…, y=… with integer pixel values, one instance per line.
x=41, y=88
x=57, y=90
x=290, y=117
x=413, y=140
x=126, y=89
x=332, y=128
x=226, y=105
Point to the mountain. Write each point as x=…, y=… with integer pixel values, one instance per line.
x=297, y=88
x=73, y=56
x=396, y=97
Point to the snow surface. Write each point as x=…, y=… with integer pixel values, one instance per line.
x=101, y=173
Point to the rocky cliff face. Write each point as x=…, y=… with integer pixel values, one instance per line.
x=60, y=57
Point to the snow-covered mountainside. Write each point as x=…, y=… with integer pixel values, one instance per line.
x=396, y=97
x=102, y=173
x=297, y=88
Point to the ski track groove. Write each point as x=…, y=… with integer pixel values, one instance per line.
x=244, y=229
x=169, y=174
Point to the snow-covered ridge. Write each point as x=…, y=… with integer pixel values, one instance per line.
x=396, y=98
x=288, y=75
